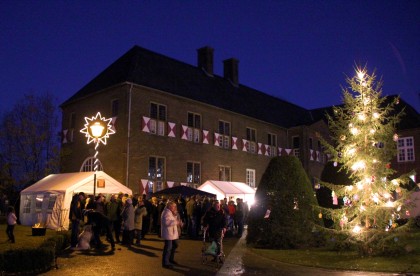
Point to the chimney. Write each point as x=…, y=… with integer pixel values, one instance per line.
x=230, y=67
x=205, y=59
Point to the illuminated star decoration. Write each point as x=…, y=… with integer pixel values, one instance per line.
x=104, y=122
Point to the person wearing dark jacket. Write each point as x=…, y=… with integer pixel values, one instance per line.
x=146, y=218
x=100, y=222
x=214, y=221
x=75, y=216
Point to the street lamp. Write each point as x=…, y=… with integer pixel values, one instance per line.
x=97, y=129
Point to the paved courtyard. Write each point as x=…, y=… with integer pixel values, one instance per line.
x=146, y=260
x=138, y=260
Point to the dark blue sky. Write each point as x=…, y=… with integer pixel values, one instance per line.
x=300, y=51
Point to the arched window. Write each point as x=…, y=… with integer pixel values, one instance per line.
x=88, y=166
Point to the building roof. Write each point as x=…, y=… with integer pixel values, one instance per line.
x=150, y=69
x=409, y=120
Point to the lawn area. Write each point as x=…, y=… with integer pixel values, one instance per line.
x=23, y=237
x=350, y=260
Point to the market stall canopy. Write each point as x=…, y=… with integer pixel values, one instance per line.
x=184, y=191
x=227, y=189
x=48, y=200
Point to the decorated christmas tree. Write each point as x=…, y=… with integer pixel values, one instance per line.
x=363, y=142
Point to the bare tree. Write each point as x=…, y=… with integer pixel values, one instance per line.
x=29, y=145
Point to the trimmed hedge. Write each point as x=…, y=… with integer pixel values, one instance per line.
x=286, y=191
x=34, y=260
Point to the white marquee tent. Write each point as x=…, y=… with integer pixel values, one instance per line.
x=226, y=189
x=48, y=200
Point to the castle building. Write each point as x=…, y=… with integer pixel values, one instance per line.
x=179, y=124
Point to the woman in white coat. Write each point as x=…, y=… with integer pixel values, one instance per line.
x=169, y=233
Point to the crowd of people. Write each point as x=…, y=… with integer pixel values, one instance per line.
x=127, y=219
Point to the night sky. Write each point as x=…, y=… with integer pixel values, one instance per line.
x=299, y=51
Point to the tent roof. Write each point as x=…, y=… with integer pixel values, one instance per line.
x=77, y=182
x=227, y=187
x=184, y=191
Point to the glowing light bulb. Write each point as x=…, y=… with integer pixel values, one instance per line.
x=351, y=151
x=358, y=165
x=361, y=117
x=354, y=131
x=360, y=74
x=376, y=115
x=389, y=204
x=97, y=129
x=375, y=198
x=357, y=229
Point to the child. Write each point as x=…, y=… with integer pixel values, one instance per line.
x=11, y=222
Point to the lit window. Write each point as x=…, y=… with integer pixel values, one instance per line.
x=38, y=202
x=224, y=131
x=251, y=136
x=272, y=143
x=193, y=173
x=224, y=173
x=27, y=205
x=157, y=119
x=250, y=177
x=405, y=147
x=194, y=127
x=156, y=173
x=51, y=202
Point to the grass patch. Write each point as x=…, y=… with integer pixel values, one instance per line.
x=23, y=237
x=350, y=260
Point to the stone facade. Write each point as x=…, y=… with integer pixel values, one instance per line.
x=126, y=155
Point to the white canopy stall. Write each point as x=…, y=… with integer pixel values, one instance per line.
x=226, y=189
x=48, y=200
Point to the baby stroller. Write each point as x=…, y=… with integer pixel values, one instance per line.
x=209, y=250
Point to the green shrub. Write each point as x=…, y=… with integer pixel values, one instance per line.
x=286, y=191
x=60, y=241
x=32, y=260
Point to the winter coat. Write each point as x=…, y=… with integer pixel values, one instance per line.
x=113, y=210
x=139, y=213
x=169, y=225
x=191, y=205
x=215, y=220
x=128, y=217
x=11, y=219
x=76, y=209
